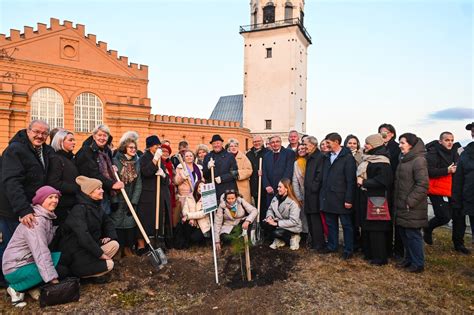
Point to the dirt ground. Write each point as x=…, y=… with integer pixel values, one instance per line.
x=284, y=282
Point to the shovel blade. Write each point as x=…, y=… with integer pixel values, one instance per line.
x=161, y=255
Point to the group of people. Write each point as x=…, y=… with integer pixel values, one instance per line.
x=65, y=214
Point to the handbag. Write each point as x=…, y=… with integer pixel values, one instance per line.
x=377, y=209
x=67, y=290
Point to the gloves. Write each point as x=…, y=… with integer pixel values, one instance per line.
x=218, y=180
x=161, y=173
x=211, y=164
x=157, y=155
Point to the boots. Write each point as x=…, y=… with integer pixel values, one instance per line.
x=17, y=297
x=295, y=242
x=277, y=243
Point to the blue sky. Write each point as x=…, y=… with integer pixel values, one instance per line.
x=409, y=63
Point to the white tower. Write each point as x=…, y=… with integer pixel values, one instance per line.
x=275, y=68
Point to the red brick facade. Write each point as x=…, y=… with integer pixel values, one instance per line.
x=63, y=58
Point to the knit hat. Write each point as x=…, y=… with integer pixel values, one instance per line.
x=375, y=140
x=88, y=185
x=166, y=147
x=43, y=193
x=152, y=140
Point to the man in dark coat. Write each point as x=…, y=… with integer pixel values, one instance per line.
x=256, y=153
x=395, y=244
x=147, y=205
x=463, y=185
x=312, y=187
x=24, y=168
x=442, y=157
x=225, y=167
x=337, y=193
x=279, y=163
x=293, y=140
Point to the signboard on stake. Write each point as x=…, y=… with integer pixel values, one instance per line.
x=209, y=205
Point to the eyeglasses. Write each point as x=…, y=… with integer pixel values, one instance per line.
x=132, y=148
x=39, y=133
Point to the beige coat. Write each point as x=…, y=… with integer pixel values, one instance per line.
x=287, y=214
x=192, y=210
x=245, y=171
x=183, y=184
x=225, y=222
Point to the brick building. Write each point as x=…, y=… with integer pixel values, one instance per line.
x=61, y=75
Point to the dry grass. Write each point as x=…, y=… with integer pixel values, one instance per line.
x=315, y=284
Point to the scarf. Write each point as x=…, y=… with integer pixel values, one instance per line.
x=128, y=173
x=195, y=174
x=105, y=165
x=232, y=208
x=366, y=159
x=301, y=162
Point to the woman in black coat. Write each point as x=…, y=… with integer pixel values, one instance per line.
x=147, y=204
x=94, y=160
x=62, y=173
x=312, y=186
x=374, y=179
x=88, y=237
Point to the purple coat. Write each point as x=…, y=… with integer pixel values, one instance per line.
x=31, y=246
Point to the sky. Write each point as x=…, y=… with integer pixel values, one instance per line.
x=408, y=63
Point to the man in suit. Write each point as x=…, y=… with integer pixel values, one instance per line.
x=277, y=164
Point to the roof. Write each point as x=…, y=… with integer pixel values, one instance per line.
x=229, y=108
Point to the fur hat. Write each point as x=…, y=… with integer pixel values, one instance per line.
x=152, y=140
x=375, y=140
x=88, y=185
x=43, y=193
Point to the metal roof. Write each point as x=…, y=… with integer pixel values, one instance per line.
x=229, y=108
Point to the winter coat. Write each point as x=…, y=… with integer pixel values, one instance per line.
x=463, y=182
x=274, y=170
x=286, y=213
x=62, y=175
x=225, y=168
x=31, y=246
x=22, y=175
x=121, y=215
x=411, y=189
x=147, y=202
x=379, y=182
x=244, y=172
x=338, y=183
x=298, y=181
x=394, y=152
x=183, y=184
x=254, y=157
x=312, y=181
x=192, y=210
x=81, y=234
x=87, y=161
x=224, y=222
x=439, y=159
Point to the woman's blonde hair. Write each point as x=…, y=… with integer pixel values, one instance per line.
x=291, y=193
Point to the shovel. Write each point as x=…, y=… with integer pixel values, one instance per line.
x=158, y=256
x=247, y=254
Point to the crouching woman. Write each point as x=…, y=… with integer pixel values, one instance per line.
x=88, y=243
x=283, y=217
x=233, y=215
x=27, y=260
x=194, y=216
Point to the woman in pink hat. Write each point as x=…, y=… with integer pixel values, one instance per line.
x=27, y=261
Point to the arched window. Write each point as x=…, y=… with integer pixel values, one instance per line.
x=48, y=105
x=269, y=13
x=288, y=11
x=87, y=112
